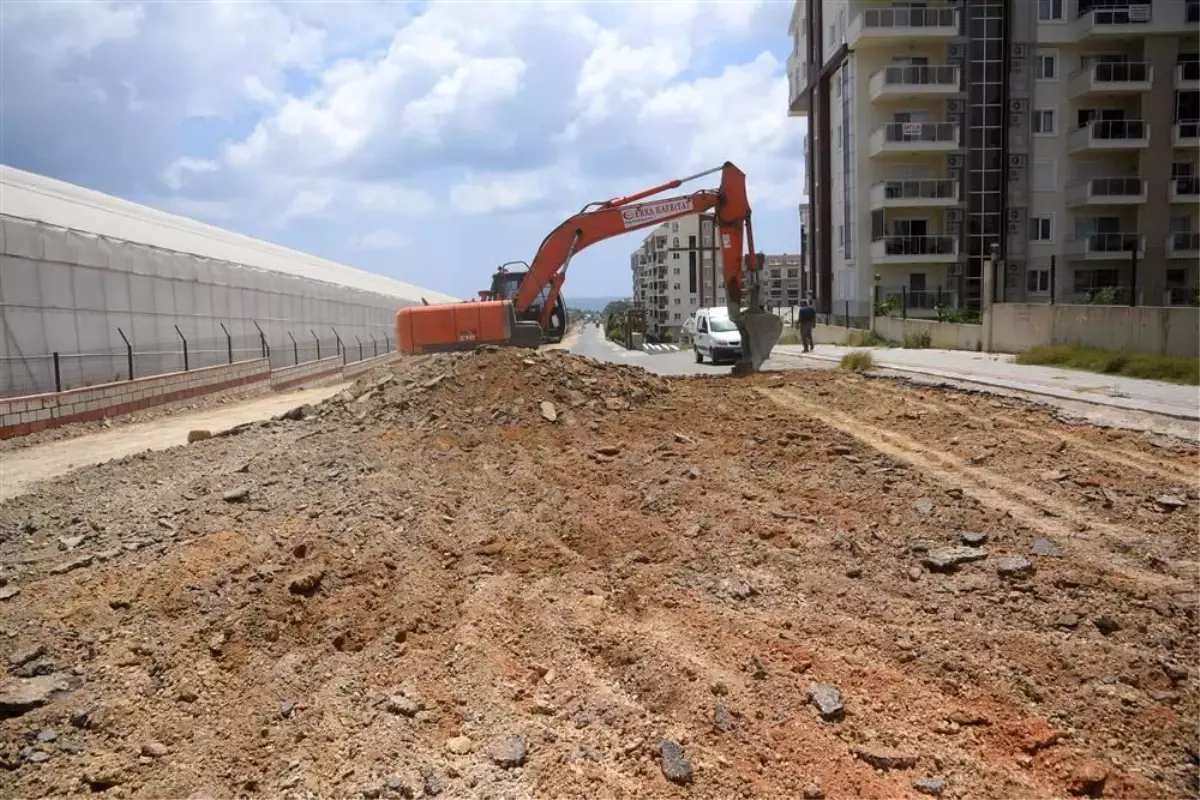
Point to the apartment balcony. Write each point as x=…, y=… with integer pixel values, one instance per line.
x=1110, y=135
x=1187, y=76
x=797, y=81
x=887, y=27
x=909, y=138
x=1185, y=135
x=1185, y=190
x=906, y=81
x=1192, y=13
x=1106, y=246
x=1183, y=245
x=1110, y=79
x=1107, y=192
x=915, y=193
x=1126, y=20
x=914, y=250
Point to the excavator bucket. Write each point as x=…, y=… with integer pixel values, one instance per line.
x=760, y=332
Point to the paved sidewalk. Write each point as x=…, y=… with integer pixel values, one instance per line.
x=999, y=370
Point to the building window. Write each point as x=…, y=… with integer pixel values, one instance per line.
x=1046, y=66
x=1037, y=281
x=1043, y=121
x=678, y=302
x=1050, y=10
x=676, y=287
x=674, y=226
x=675, y=255
x=1045, y=175
x=1041, y=229
x=676, y=315
x=676, y=271
x=674, y=241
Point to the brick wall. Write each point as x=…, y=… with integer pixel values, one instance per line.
x=23, y=415
x=352, y=371
x=308, y=373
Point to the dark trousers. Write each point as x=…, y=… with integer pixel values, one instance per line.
x=806, y=339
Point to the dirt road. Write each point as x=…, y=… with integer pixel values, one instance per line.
x=647, y=588
x=21, y=468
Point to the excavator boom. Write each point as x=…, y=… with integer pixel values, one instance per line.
x=451, y=327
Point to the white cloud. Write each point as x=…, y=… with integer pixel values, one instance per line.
x=393, y=199
x=308, y=203
x=382, y=239
x=173, y=175
x=493, y=194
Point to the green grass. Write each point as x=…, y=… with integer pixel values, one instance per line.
x=866, y=339
x=918, y=341
x=857, y=361
x=1173, y=369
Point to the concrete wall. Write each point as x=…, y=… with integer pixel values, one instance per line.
x=1172, y=331
x=942, y=335
x=352, y=371
x=311, y=373
x=66, y=291
x=832, y=334
x=24, y=415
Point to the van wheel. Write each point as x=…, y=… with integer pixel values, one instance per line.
x=699, y=355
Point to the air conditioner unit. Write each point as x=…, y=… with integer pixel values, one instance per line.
x=954, y=270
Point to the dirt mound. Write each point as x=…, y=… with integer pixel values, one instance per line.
x=434, y=585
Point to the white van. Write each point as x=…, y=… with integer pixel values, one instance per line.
x=716, y=335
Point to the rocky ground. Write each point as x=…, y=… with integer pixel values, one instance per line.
x=512, y=575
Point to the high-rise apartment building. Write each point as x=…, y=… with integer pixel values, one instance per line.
x=676, y=270
x=1059, y=132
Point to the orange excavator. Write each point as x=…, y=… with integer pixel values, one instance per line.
x=520, y=318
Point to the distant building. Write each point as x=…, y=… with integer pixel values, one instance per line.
x=676, y=270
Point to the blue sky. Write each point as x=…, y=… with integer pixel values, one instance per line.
x=429, y=141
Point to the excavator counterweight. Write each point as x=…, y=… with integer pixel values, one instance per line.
x=525, y=308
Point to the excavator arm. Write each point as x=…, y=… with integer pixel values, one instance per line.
x=456, y=327
x=600, y=221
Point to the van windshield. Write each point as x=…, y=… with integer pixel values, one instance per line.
x=722, y=325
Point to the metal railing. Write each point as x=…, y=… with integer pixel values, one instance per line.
x=57, y=372
x=1108, y=187
x=1187, y=71
x=919, y=75
x=1185, y=186
x=1119, y=14
x=918, y=245
x=1183, y=242
x=941, y=17
x=1187, y=129
x=1117, y=129
x=1117, y=72
x=917, y=189
x=1107, y=243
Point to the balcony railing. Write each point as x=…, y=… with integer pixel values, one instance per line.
x=917, y=245
x=1192, y=13
x=1108, y=77
x=1186, y=73
x=919, y=75
x=1120, y=14
x=890, y=18
x=1106, y=244
x=1186, y=133
x=1185, y=188
x=1183, y=243
x=1104, y=132
x=1099, y=190
x=915, y=189
x=929, y=132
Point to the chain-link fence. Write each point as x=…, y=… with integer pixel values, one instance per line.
x=57, y=372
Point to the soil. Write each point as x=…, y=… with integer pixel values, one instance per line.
x=507, y=574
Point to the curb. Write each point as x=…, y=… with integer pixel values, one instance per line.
x=1000, y=383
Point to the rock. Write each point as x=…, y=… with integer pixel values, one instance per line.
x=549, y=412
x=1088, y=778
x=39, y=757
x=510, y=752
x=47, y=736
x=886, y=757
x=828, y=701
x=70, y=542
x=723, y=718
x=70, y=566
x=28, y=654
x=692, y=473
x=1014, y=568
x=930, y=786
x=813, y=791
x=432, y=786
x=1170, y=502
x=974, y=538
x=854, y=572
x=238, y=495
x=1106, y=625
x=104, y=773
x=306, y=581
x=24, y=694
x=1066, y=621
x=198, y=436
x=154, y=749
x=404, y=706
x=287, y=708
x=1045, y=548
x=32, y=669
x=947, y=559
x=459, y=745
x=1055, y=475
x=675, y=766
x=841, y=450
x=9, y=592
x=609, y=450
x=924, y=506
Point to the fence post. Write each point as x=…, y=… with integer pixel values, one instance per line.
x=295, y=349
x=262, y=340
x=360, y=356
x=128, y=352
x=318, y=341
x=374, y=345
x=1133, y=298
x=847, y=313
x=904, y=303
x=938, y=302
x=1053, y=275
x=341, y=348
x=228, y=341
x=57, y=374
x=185, y=352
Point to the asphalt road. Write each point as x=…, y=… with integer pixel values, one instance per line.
x=591, y=343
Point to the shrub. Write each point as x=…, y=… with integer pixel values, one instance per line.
x=918, y=341
x=858, y=361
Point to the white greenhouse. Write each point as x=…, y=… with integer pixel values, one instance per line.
x=92, y=278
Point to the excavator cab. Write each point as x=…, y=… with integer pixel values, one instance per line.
x=505, y=283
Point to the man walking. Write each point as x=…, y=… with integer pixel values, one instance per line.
x=808, y=318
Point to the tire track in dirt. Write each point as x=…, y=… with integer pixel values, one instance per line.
x=1026, y=504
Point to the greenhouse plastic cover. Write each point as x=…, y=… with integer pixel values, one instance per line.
x=37, y=198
